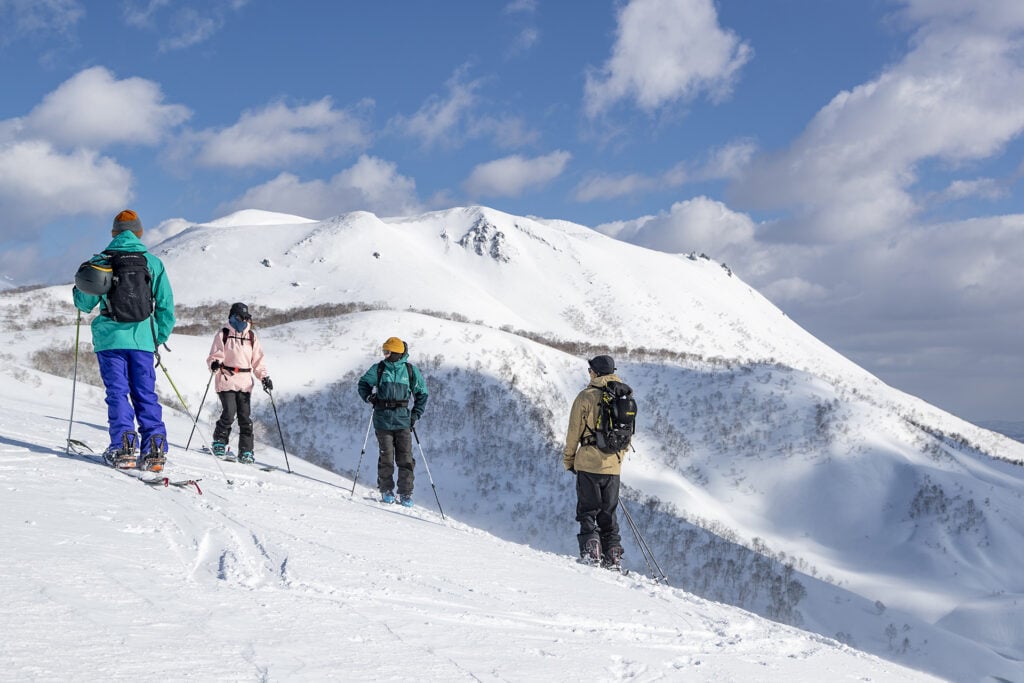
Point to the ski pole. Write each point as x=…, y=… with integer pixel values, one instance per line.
x=160, y=364
x=279, y=432
x=361, y=454
x=427, y=465
x=645, y=549
x=199, y=412
x=74, y=381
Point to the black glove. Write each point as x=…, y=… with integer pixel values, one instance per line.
x=268, y=384
x=372, y=399
x=412, y=421
x=214, y=366
x=572, y=468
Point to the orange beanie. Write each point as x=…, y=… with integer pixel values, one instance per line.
x=127, y=220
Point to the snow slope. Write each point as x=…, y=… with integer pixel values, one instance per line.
x=769, y=472
x=286, y=577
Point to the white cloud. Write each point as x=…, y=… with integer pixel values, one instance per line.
x=605, y=187
x=985, y=188
x=523, y=6
x=696, y=225
x=25, y=17
x=181, y=24
x=723, y=163
x=453, y=119
x=439, y=119
x=512, y=175
x=95, y=109
x=991, y=15
x=371, y=184
x=793, y=289
x=278, y=134
x=957, y=97
x=525, y=40
x=39, y=183
x=728, y=161
x=528, y=36
x=666, y=51
x=507, y=132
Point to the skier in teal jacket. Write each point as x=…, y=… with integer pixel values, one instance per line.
x=389, y=385
x=125, y=352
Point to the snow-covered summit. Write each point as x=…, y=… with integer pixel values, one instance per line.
x=253, y=217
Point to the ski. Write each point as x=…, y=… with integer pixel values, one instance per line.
x=614, y=570
x=394, y=505
x=155, y=479
x=229, y=456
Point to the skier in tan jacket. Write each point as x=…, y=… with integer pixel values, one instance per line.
x=597, y=473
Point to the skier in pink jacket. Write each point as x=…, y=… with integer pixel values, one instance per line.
x=237, y=357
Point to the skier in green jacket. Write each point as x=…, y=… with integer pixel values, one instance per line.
x=125, y=353
x=389, y=385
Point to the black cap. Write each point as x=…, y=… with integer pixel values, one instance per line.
x=602, y=365
x=239, y=310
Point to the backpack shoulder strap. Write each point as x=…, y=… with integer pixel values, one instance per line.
x=408, y=368
x=226, y=332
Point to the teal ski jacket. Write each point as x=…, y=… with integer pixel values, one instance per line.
x=108, y=334
x=394, y=388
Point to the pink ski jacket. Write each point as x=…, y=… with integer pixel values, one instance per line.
x=241, y=359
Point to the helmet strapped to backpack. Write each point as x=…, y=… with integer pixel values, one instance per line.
x=94, y=278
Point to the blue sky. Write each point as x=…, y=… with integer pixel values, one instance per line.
x=858, y=162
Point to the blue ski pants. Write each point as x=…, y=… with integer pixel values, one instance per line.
x=130, y=380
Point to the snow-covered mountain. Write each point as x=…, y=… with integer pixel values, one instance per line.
x=769, y=473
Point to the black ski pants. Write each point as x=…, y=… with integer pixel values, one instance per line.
x=395, y=447
x=235, y=403
x=597, y=498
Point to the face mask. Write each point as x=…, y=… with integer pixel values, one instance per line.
x=239, y=325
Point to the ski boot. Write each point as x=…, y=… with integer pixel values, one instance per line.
x=220, y=449
x=613, y=558
x=122, y=458
x=155, y=460
x=591, y=553
x=246, y=457
x=405, y=500
x=387, y=497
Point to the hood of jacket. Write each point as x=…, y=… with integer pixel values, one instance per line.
x=602, y=381
x=126, y=241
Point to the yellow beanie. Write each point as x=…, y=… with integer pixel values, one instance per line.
x=394, y=345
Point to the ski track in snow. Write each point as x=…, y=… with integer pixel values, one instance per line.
x=281, y=577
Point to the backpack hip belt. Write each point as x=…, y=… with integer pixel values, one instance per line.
x=390, y=405
x=232, y=370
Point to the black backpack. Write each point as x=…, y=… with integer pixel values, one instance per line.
x=616, y=418
x=130, y=299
